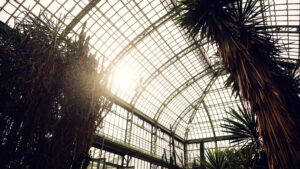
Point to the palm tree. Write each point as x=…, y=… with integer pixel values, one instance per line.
x=248, y=54
x=242, y=127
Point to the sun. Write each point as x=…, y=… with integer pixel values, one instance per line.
x=125, y=79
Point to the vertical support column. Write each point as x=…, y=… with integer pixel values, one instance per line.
x=202, y=156
x=185, y=155
x=153, y=139
x=128, y=159
x=173, y=150
x=128, y=127
x=153, y=142
x=101, y=150
x=298, y=29
x=262, y=6
x=123, y=158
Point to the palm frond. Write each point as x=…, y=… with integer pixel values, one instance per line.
x=203, y=24
x=215, y=160
x=242, y=127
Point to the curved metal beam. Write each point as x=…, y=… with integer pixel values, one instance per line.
x=140, y=37
x=171, y=61
x=179, y=90
x=193, y=115
x=163, y=67
x=195, y=105
x=202, y=54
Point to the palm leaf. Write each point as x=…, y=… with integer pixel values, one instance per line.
x=214, y=160
x=242, y=127
x=203, y=23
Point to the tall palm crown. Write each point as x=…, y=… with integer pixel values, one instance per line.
x=248, y=54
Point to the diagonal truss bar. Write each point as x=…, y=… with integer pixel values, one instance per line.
x=77, y=18
x=210, y=121
x=195, y=105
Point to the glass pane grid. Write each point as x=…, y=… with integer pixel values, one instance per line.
x=117, y=30
x=200, y=126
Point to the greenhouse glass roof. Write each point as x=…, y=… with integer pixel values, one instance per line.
x=156, y=71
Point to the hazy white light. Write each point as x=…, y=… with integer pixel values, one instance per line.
x=125, y=79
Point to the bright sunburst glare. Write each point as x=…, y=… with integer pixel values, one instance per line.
x=125, y=79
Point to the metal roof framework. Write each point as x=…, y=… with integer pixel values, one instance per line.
x=168, y=83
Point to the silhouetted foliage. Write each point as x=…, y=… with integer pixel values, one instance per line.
x=242, y=127
x=51, y=97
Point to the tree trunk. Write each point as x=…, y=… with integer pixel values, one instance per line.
x=271, y=97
